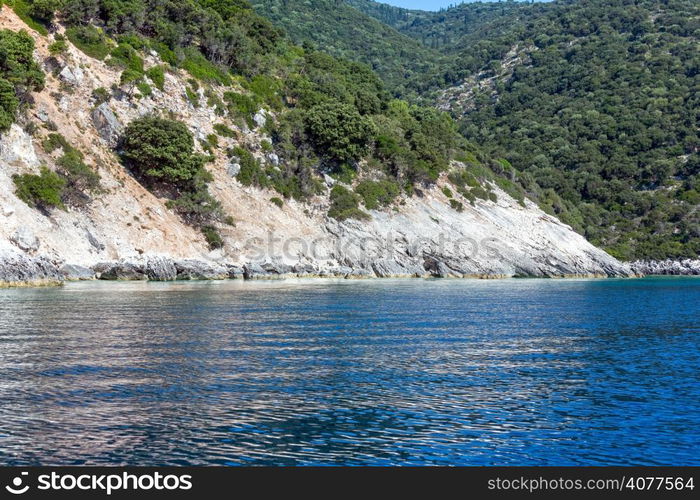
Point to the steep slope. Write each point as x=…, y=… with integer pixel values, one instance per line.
x=125, y=230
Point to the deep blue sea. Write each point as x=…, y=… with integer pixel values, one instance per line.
x=375, y=372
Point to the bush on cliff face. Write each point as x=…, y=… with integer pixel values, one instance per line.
x=377, y=194
x=345, y=205
x=338, y=131
x=42, y=191
x=160, y=151
x=19, y=73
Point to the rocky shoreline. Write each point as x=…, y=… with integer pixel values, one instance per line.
x=18, y=270
x=686, y=267
x=21, y=270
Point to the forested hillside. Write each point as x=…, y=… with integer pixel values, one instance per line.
x=340, y=30
x=598, y=102
x=594, y=103
x=590, y=107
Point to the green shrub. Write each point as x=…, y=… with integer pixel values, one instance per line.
x=345, y=205
x=457, y=205
x=194, y=203
x=79, y=177
x=8, y=104
x=54, y=141
x=59, y=46
x=25, y=13
x=160, y=150
x=192, y=96
x=199, y=67
x=19, y=73
x=267, y=89
x=77, y=173
x=42, y=191
x=251, y=173
x=224, y=131
x=211, y=234
x=157, y=75
x=144, y=89
x=377, y=194
x=213, y=140
x=101, y=95
x=277, y=201
x=344, y=173
x=241, y=104
x=515, y=191
x=90, y=40
x=338, y=131
x=447, y=192
x=125, y=56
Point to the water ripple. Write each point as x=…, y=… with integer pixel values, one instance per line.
x=411, y=372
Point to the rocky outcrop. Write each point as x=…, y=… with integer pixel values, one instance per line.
x=73, y=272
x=126, y=271
x=107, y=124
x=25, y=239
x=687, y=267
x=159, y=268
x=190, y=269
x=21, y=270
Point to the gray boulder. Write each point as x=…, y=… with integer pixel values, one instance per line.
x=235, y=272
x=253, y=271
x=74, y=272
x=260, y=119
x=233, y=169
x=72, y=76
x=159, y=268
x=190, y=269
x=107, y=124
x=127, y=271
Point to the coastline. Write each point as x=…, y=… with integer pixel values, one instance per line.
x=26, y=271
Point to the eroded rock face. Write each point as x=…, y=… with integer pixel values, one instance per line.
x=107, y=124
x=17, y=148
x=71, y=75
x=25, y=239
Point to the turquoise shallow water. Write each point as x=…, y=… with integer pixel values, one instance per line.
x=507, y=372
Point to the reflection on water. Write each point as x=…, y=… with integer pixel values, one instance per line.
x=513, y=372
